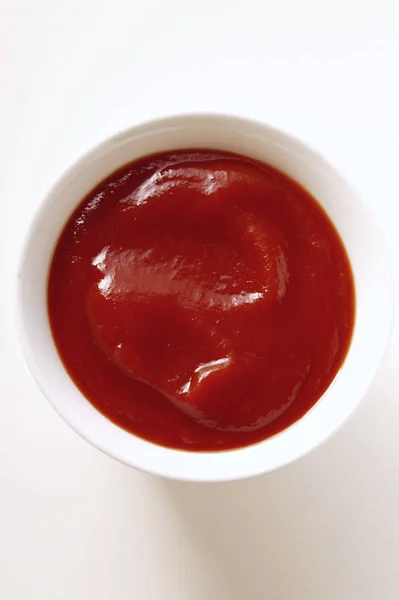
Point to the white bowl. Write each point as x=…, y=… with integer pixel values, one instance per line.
x=364, y=243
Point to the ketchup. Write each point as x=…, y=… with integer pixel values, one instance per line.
x=201, y=300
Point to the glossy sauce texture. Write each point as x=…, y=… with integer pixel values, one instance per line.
x=201, y=300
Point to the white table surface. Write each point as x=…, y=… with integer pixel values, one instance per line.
x=74, y=524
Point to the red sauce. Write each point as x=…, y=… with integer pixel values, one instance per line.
x=201, y=300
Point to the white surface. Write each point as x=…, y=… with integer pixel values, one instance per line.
x=74, y=523
x=366, y=247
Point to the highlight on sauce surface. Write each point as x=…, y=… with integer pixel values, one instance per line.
x=201, y=300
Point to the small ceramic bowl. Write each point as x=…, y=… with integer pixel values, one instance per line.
x=364, y=243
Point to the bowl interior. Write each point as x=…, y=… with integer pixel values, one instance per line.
x=364, y=243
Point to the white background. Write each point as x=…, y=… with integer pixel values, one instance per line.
x=73, y=523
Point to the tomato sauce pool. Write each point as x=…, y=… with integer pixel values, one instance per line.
x=201, y=300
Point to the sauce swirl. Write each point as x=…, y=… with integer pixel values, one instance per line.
x=201, y=300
